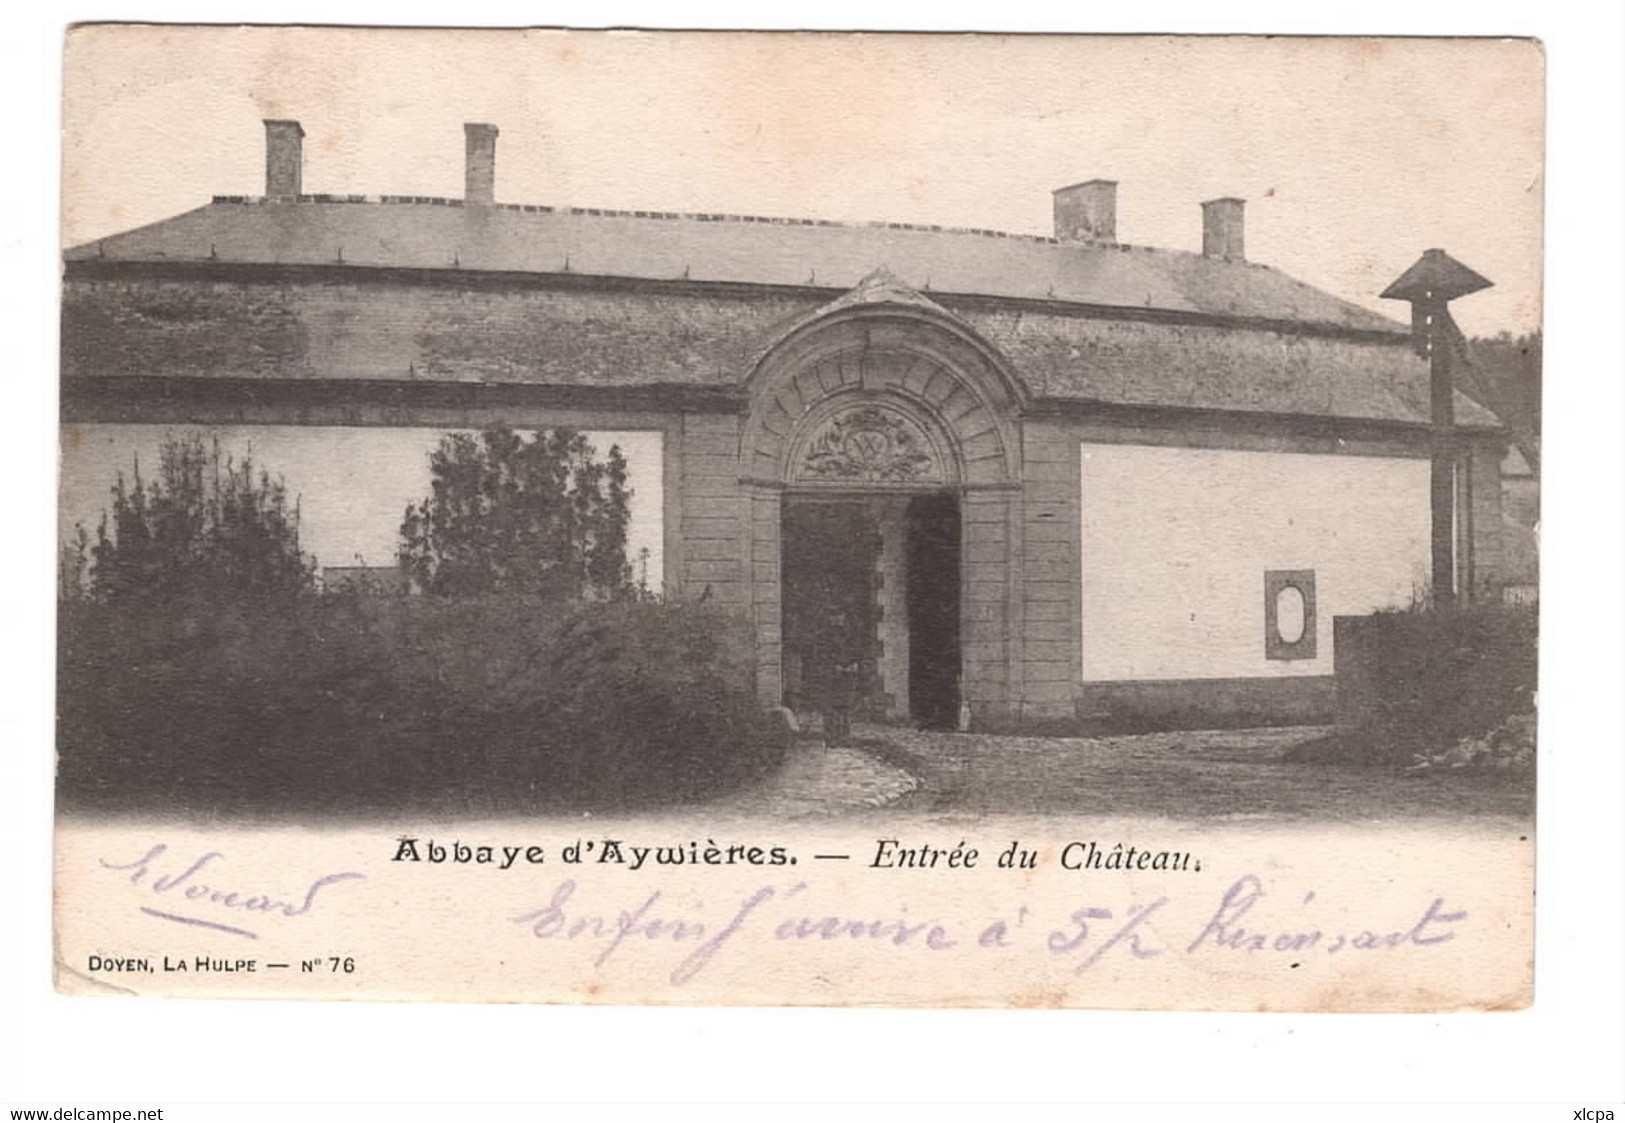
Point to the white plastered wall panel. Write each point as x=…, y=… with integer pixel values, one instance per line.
x=1176, y=542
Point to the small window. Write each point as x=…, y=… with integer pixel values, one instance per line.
x=1289, y=614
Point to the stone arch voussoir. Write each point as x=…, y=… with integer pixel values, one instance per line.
x=876, y=370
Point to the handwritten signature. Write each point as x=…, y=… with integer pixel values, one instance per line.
x=1090, y=933
x=197, y=883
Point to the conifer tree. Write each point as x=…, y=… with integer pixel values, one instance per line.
x=506, y=513
x=208, y=526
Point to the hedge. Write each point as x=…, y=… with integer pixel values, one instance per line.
x=354, y=703
x=1411, y=683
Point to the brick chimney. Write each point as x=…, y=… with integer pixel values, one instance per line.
x=1222, y=222
x=284, y=159
x=1087, y=212
x=480, y=167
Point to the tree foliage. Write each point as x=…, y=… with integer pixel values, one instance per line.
x=1505, y=377
x=509, y=514
x=208, y=526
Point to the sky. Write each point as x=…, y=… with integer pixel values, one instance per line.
x=1354, y=155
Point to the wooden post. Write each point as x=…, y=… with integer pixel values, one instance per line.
x=1443, y=483
x=1429, y=286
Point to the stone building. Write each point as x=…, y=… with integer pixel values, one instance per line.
x=1045, y=479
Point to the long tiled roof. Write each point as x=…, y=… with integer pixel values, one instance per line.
x=420, y=233
x=1221, y=335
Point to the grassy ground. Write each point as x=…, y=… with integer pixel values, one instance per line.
x=1220, y=775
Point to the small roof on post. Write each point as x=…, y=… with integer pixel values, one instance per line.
x=1435, y=276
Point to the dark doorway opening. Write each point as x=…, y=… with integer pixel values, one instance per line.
x=830, y=640
x=933, y=610
x=870, y=589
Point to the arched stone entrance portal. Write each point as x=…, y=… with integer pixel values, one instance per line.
x=883, y=474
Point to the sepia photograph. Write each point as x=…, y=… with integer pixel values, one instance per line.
x=745, y=562
x=762, y=516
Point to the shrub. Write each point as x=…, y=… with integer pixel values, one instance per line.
x=349, y=703
x=1415, y=682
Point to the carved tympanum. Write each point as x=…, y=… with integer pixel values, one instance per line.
x=868, y=444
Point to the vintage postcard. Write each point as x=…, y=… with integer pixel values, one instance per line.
x=768, y=518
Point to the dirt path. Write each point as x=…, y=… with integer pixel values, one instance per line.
x=1229, y=775
x=819, y=782
x=1223, y=775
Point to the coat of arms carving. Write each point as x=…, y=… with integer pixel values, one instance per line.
x=869, y=444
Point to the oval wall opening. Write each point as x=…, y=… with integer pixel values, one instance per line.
x=1289, y=614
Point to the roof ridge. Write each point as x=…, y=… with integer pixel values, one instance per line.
x=703, y=216
x=753, y=219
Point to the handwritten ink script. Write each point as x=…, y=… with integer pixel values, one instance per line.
x=202, y=884
x=632, y=910
x=1089, y=933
